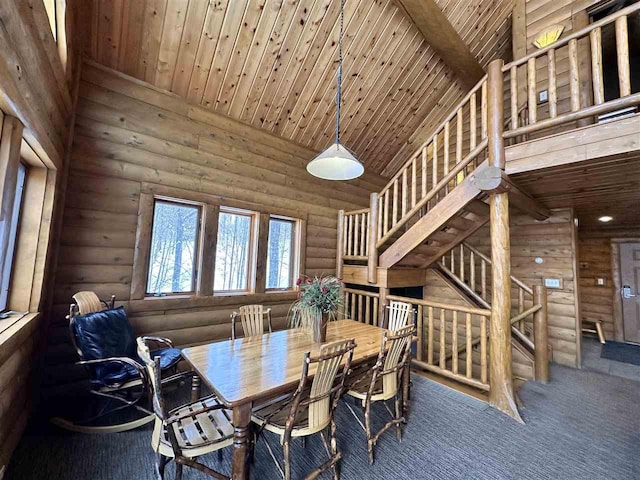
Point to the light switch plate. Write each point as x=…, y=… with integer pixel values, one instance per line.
x=553, y=282
x=601, y=282
x=543, y=96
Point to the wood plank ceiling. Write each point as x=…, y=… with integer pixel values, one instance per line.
x=272, y=63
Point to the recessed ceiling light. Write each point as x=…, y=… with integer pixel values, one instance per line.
x=605, y=219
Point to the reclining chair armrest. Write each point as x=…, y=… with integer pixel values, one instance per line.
x=139, y=368
x=161, y=340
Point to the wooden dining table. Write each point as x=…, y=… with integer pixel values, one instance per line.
x=247, y=371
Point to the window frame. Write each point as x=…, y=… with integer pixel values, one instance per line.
x=294, y=254
x=251, y=254
x=212, y=205
x=197, y=248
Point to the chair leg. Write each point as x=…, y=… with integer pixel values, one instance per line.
x=398, y=416
x=161, y=462
x=334, y=451
x=178, y=471
x=304, y=442
x=367, y=429
x=287, y=460
x=219, y=455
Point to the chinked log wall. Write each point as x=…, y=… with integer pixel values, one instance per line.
x=130, y=134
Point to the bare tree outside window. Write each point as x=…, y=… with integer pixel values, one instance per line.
x=174, y=246
x=233, y=252
x=280, y=254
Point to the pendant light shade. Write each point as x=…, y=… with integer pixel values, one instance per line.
x=335, y=163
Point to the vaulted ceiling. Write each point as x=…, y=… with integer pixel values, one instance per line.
x=272, y=63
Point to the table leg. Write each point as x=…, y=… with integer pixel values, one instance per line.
x=406, y=378
x=195, y=388
x=241, y=447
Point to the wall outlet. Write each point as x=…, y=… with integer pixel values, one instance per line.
x=601, y=282
x=553, y=282
x=543, y=96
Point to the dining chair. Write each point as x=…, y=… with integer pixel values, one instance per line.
x=188, y=431
x=252, y=319
x=310, y=409
x=397, y=315
x=382, y=382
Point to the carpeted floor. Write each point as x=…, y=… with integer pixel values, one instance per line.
x=583, y=425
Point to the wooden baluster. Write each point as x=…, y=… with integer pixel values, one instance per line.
x=434, y=170
x=379, y=219
x=453, y=263
x=472, y=270
x=367, y=310
x=553, y=91
x=622, y=49
x=443, y=341
x=521, y=308
x=414, y=182
x=532, y=102
x=445, y=154
x=454, y=342
x=472, y=122
x=356, y=234
x=424, y=172
x=375, y=311
x=462, y=262
x=364, y=244
x=372, y=248
x=340, y=250
x=394, y=218
x=541, y=335
x=353, y=306
x=430, y=338
x=484, y=112
x=513, y=73
x=386, y=212
x=420, y=330
x=404, y=192
x=350, y=236
x=596, y=66
x=459, y=139
x=483, y=349
x=574, y=75
x=469, y=349
x=360, y=309
x=483, y=278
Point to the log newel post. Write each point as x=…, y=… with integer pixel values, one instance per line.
x=340, y=245
x=541, y=335
x=372, y=264
x=501, y=394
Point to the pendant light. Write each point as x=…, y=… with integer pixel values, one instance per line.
x=337, y=162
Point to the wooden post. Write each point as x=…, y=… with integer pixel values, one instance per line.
x=372, y=265
x=340, y=245
x=501, y=394
x=384, y=292
x=541, y=335
x=580, y=20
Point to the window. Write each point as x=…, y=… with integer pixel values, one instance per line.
x=234, y=251
x=280, y=258
x=173, y=257
x=8, y=234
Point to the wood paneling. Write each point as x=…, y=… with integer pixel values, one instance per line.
x=271, y=63
x=133, y=138
x=550, y=240
x=596, y=301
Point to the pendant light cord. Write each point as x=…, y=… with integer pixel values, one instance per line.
x=339, y=91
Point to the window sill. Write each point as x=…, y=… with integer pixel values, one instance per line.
x=20, y=323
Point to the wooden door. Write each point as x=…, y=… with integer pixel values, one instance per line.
x=630, y=292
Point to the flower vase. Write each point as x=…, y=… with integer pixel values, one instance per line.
x=320, y=329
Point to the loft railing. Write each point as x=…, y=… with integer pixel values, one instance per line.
x=360, y=305
x=525, y=78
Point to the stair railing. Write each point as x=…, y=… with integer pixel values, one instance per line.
x=437, y=166
x=361, y=306
x=470, y=270
x=584, y=103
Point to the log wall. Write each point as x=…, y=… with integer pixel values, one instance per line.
x=132, y=136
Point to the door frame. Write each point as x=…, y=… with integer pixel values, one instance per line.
x=618, y=320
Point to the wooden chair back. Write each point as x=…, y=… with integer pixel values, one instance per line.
x=89, y=302
x=398, y=315
x=322, y=399
x=395, y=351
x=252, y=319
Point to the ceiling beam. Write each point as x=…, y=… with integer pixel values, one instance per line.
x=444, y=39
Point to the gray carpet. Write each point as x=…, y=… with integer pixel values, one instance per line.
x=583, y=425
